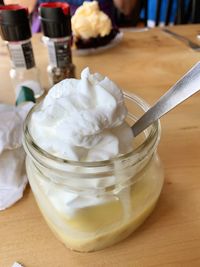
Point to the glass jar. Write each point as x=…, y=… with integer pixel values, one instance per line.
x=93, y=205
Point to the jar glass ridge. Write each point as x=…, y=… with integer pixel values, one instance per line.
x=92, y=205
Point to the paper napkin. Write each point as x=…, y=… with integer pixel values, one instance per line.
x=13, y=178
x=16, y=264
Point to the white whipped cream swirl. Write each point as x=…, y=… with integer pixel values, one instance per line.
x=83, y=120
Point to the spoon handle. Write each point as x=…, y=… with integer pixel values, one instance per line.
x=180, y=91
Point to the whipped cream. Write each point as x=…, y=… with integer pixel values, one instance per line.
x=83, y=120
x=88, y=21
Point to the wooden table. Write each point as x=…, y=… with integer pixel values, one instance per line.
x=146, y=63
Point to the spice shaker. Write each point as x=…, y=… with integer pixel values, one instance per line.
x=56, y=26
x=15, y=30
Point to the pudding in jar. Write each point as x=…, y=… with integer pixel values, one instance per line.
x=93, y=181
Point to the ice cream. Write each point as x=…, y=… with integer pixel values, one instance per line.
x=89, y=21
x=91, y=187
x=91, y=27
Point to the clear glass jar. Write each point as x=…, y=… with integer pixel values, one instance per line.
x=93, y=205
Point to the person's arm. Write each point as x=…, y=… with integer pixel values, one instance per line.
x=125, y=6
x=30, y=4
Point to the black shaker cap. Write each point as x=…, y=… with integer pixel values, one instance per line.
x=56, y=19
x=14, y=23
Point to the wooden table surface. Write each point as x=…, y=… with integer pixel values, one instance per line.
x=146, y=63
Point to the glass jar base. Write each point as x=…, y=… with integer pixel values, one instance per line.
x=106, y=240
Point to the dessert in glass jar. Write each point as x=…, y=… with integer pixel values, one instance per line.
x=93, y=181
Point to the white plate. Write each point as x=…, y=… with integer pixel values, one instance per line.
x=90, y=51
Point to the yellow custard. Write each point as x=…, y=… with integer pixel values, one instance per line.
x=96, y=227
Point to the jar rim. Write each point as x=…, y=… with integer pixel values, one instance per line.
x=154, y=134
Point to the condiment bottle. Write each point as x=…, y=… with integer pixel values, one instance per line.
x=56, y=26
x=15, y=30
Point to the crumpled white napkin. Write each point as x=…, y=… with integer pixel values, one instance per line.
x=13, y=178
x=16, y=264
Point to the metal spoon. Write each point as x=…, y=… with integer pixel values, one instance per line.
x=188, y=85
